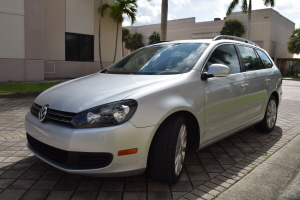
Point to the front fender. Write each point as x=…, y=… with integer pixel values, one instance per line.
x=155, y=104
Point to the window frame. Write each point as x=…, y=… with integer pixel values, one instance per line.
x=242, y=59
x=237, y=53
x=270, y=60
x=78, y=43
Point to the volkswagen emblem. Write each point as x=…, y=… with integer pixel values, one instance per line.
x=43, y=112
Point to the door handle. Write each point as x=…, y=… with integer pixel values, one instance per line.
x=267, y=80
x=244, y=85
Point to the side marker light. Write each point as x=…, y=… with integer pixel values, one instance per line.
x=127, y=151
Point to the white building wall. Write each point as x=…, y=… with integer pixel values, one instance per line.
x=12, y=38
x=269, y=30
x=80, y=16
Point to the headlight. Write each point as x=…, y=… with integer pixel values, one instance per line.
x=105, y=115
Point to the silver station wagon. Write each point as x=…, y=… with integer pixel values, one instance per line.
x=146, y=110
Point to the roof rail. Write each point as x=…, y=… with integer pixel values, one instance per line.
x=160, y=42
x=233, y=37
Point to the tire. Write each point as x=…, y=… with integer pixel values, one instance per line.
x=269, y=121
x=167, y=151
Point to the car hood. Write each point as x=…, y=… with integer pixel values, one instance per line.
x=96, y=89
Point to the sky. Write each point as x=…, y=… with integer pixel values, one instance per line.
x=205, y=10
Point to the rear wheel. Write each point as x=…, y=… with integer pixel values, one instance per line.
x=168, y=149
x=269, y=121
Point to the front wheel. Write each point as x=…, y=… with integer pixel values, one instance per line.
x=268, y=123
x=168, y=149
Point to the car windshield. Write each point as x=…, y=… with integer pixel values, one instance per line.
x=160, y=59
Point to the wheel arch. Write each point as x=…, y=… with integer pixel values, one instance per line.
x=192, y=126
x=160, y=156
x=276, y=95
x=193, y=130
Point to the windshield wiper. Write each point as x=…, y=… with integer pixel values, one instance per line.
x=103, y=71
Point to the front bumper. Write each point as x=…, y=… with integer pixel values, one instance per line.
x=101, y=140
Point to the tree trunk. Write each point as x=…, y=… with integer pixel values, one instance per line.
x=164, y=20
x=116, y=41
x=99, y=36
x=122, y=49
x=249, y=20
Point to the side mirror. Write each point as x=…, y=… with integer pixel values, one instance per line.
x=216, y=70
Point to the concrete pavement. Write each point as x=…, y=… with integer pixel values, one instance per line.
x=292, y=191
x=274, y=177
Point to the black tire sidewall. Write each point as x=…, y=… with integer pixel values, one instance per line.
x=177, y=177
x=161, y=159
x=263, y=125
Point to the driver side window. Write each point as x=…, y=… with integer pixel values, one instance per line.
x=226, y=55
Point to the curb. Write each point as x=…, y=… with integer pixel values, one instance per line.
x=293, y=79
x=19, y=94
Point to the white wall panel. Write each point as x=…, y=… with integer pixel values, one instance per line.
x=80, y=16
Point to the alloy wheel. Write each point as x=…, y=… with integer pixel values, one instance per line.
x=271, y=113
x=180, y=149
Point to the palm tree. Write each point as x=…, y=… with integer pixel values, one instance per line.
x=134, y=41
x=294, y=42
x=164, y=20
x=154, y=37
x=125, y=35
x=233, y=27
x=117, y=9
x=247, y=8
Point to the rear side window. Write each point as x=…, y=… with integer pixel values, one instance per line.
x=226, y=55
x=265, y=59
x=251, y=61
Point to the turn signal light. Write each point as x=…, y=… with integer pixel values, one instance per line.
x=127, y=151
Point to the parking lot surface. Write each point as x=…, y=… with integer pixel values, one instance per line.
x=207, y=173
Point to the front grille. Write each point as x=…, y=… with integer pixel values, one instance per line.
x=70, y=159
x=53, y=115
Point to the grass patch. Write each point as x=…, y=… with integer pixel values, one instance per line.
x=292, y=76
x=26, y=87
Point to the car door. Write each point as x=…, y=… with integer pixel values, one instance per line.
x=224, y=96
x=258, y=82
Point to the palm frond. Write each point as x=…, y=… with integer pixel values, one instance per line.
x=134, y=41
x=269, y=2
x=154, y=37
x=104, y=7
x=245, y=6
x=233, y=27
x=233, y=4
x=125, y=33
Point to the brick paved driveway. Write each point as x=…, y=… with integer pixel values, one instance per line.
x=206, y=173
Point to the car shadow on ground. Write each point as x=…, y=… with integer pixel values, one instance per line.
x=207, y=172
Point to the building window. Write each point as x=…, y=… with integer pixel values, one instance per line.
x=79, y=47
